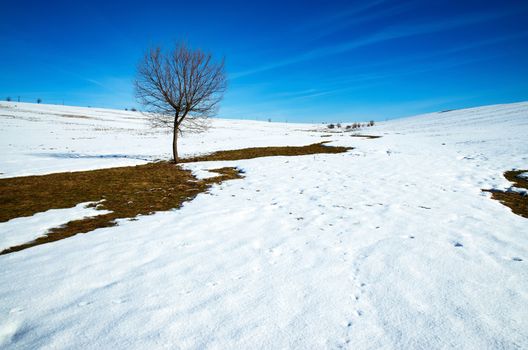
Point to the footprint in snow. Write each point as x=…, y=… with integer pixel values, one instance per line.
x=118, y=301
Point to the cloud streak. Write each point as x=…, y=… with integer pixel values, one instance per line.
x=364, y=18
x=389, y=33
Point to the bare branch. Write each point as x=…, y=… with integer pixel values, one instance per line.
x=180, y=89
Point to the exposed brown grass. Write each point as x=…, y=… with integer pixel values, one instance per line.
x=255, y=152
x=366, y=136
x=125, y=191
x=517, y=202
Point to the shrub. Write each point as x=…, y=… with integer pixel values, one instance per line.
x=371, y=123
x=348, y=127
x=338, y=125
x=330, y=126
x=133, y=109
x=8, y=98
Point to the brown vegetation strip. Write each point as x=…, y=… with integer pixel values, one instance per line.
x=125, y=191
x=255, y=152
x=517, y=202
x=366, y=136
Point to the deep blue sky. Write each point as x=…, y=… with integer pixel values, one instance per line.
x=286, y=60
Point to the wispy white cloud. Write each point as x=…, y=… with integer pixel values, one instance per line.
x=337, y=16
x=285, y=104
x=389, y=33
x=355, y=19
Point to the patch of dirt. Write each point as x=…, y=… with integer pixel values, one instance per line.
x=517, y=202
x=125, y=191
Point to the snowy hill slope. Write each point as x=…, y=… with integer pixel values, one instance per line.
x=391, y=245
x=40, y=139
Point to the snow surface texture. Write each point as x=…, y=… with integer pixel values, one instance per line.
x=389, y=246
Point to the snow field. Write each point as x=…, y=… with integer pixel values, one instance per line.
x=389, y=246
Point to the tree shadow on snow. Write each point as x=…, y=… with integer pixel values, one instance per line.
x=73, y=155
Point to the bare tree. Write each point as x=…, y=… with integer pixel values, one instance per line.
x=180, y=89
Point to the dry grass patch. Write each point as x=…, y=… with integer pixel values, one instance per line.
x=255, y=152
x=125, y=191
x=366, y=136
x=517, y=202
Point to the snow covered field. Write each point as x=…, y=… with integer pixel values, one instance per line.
x=389, y=246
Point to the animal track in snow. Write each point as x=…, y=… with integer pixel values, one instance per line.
x=119, y=301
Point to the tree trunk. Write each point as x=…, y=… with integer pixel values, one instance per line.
x=175, y=143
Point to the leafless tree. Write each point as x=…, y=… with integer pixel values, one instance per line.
x=180, y=89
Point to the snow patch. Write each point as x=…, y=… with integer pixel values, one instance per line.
x=523, y=175
x=25, y=229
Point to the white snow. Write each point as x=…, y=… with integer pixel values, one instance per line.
x=41, y=139
x=25, y=229
x=390, y=245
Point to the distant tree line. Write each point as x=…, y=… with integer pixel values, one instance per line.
x=351, y=126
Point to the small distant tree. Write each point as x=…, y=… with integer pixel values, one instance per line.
x=133, y=109
x=8, y=99
x=39, y=100
x=330, y=126
x=338, y=125
x=180, y=89
x=371, y=123
x=348, y=127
